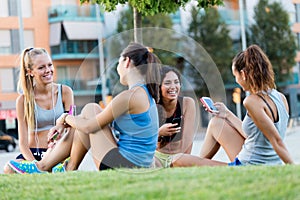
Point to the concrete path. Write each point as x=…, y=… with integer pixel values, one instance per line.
x=292, y=141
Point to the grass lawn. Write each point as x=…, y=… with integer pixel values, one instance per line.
x=251, y=182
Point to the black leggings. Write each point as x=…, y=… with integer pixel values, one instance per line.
x=113, y=159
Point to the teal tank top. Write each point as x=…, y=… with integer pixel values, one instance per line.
x=138, y=134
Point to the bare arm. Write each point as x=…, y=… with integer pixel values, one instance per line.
x=256, y=109
x=230, y=118
x=189, y=127
x=23, y=130
x=68, y=98
x=126, y=102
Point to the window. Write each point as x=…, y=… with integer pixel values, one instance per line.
x=28, y=38
x=5, y=42
x=10, y=8
x=8, y=80
x=4, y=8
x=12, y=46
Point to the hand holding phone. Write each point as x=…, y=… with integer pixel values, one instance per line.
x=209, y=104
x=176, y=120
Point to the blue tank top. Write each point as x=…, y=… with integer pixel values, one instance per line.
x=257, y=149
x=138, y=134
x=45, y=119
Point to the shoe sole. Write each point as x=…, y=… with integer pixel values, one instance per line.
x=16, y=169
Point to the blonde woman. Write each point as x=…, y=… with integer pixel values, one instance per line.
x=40, y=103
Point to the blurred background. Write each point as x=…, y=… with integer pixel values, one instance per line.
x=71, y=32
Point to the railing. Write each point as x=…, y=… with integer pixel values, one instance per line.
x=75, y=49
x=73, y=13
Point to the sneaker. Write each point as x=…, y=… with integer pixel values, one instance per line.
x=25, y=167
x=60, y=167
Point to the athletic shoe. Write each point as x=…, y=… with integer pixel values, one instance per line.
x=25, y=167
x=60, y=167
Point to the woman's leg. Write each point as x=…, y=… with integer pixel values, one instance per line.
x=188, y=160
x=58, y=154
x=220, y=133
x=100, y=142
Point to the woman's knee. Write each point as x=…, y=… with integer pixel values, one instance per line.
x=91, y=109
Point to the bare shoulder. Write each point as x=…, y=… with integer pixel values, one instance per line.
x=20, y=99
x=252, y=101
x=188, y=101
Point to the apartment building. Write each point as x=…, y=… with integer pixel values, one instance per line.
x=67, y=30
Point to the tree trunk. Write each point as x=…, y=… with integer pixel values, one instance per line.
x=137, y=24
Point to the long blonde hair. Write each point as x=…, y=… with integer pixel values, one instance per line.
x=26, y=83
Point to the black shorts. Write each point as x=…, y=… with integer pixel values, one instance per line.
x=113, y=159
x=36, y=152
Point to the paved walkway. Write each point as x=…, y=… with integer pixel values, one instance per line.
x=292, y=141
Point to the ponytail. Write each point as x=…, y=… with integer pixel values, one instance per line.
x=26, y=83
x=148, y=64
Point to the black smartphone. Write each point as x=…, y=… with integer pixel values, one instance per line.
x=177, y=120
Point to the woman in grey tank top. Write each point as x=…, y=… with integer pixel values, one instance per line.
x=40, y=103
x=259, y=138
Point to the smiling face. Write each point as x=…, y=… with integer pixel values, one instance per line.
x=170, y=87
x=42, y=69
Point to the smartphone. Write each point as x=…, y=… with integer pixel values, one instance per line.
x=209, y=104
x=177, y=120
x=54, y=136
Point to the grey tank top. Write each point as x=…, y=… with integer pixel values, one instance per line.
x=45, y=119
x=257, y=149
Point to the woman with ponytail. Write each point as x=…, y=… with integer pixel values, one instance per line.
x=40, y=103
x=133, y=113
x=258, y=139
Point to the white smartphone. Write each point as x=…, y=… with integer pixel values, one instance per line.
x=209, y=104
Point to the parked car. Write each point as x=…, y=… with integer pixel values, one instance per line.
x=7, y=142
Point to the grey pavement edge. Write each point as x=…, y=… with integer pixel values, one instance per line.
x=292, y=142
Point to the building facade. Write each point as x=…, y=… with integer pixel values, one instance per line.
x=57, y=26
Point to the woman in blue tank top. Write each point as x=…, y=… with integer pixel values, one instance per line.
x=133, y=112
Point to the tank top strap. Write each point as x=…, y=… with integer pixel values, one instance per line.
x=268, y=106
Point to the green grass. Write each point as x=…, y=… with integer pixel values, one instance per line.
x=251, y=182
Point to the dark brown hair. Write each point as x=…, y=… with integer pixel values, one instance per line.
x=148, y=64
x=257, y=67
x=166, y=69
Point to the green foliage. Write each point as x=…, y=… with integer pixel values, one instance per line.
x=250, y=182
x=152, y=7
x=212, y=33
x=273, y=34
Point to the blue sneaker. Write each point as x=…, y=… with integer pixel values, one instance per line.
x=60, y=167
x=25, y=167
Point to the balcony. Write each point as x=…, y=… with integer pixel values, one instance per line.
x=61, y=13
x=232, y=17
x=75, y=49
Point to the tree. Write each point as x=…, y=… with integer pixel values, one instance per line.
x=272, y=32
x=150, y=7
x=125, y=23
x=208, y=29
